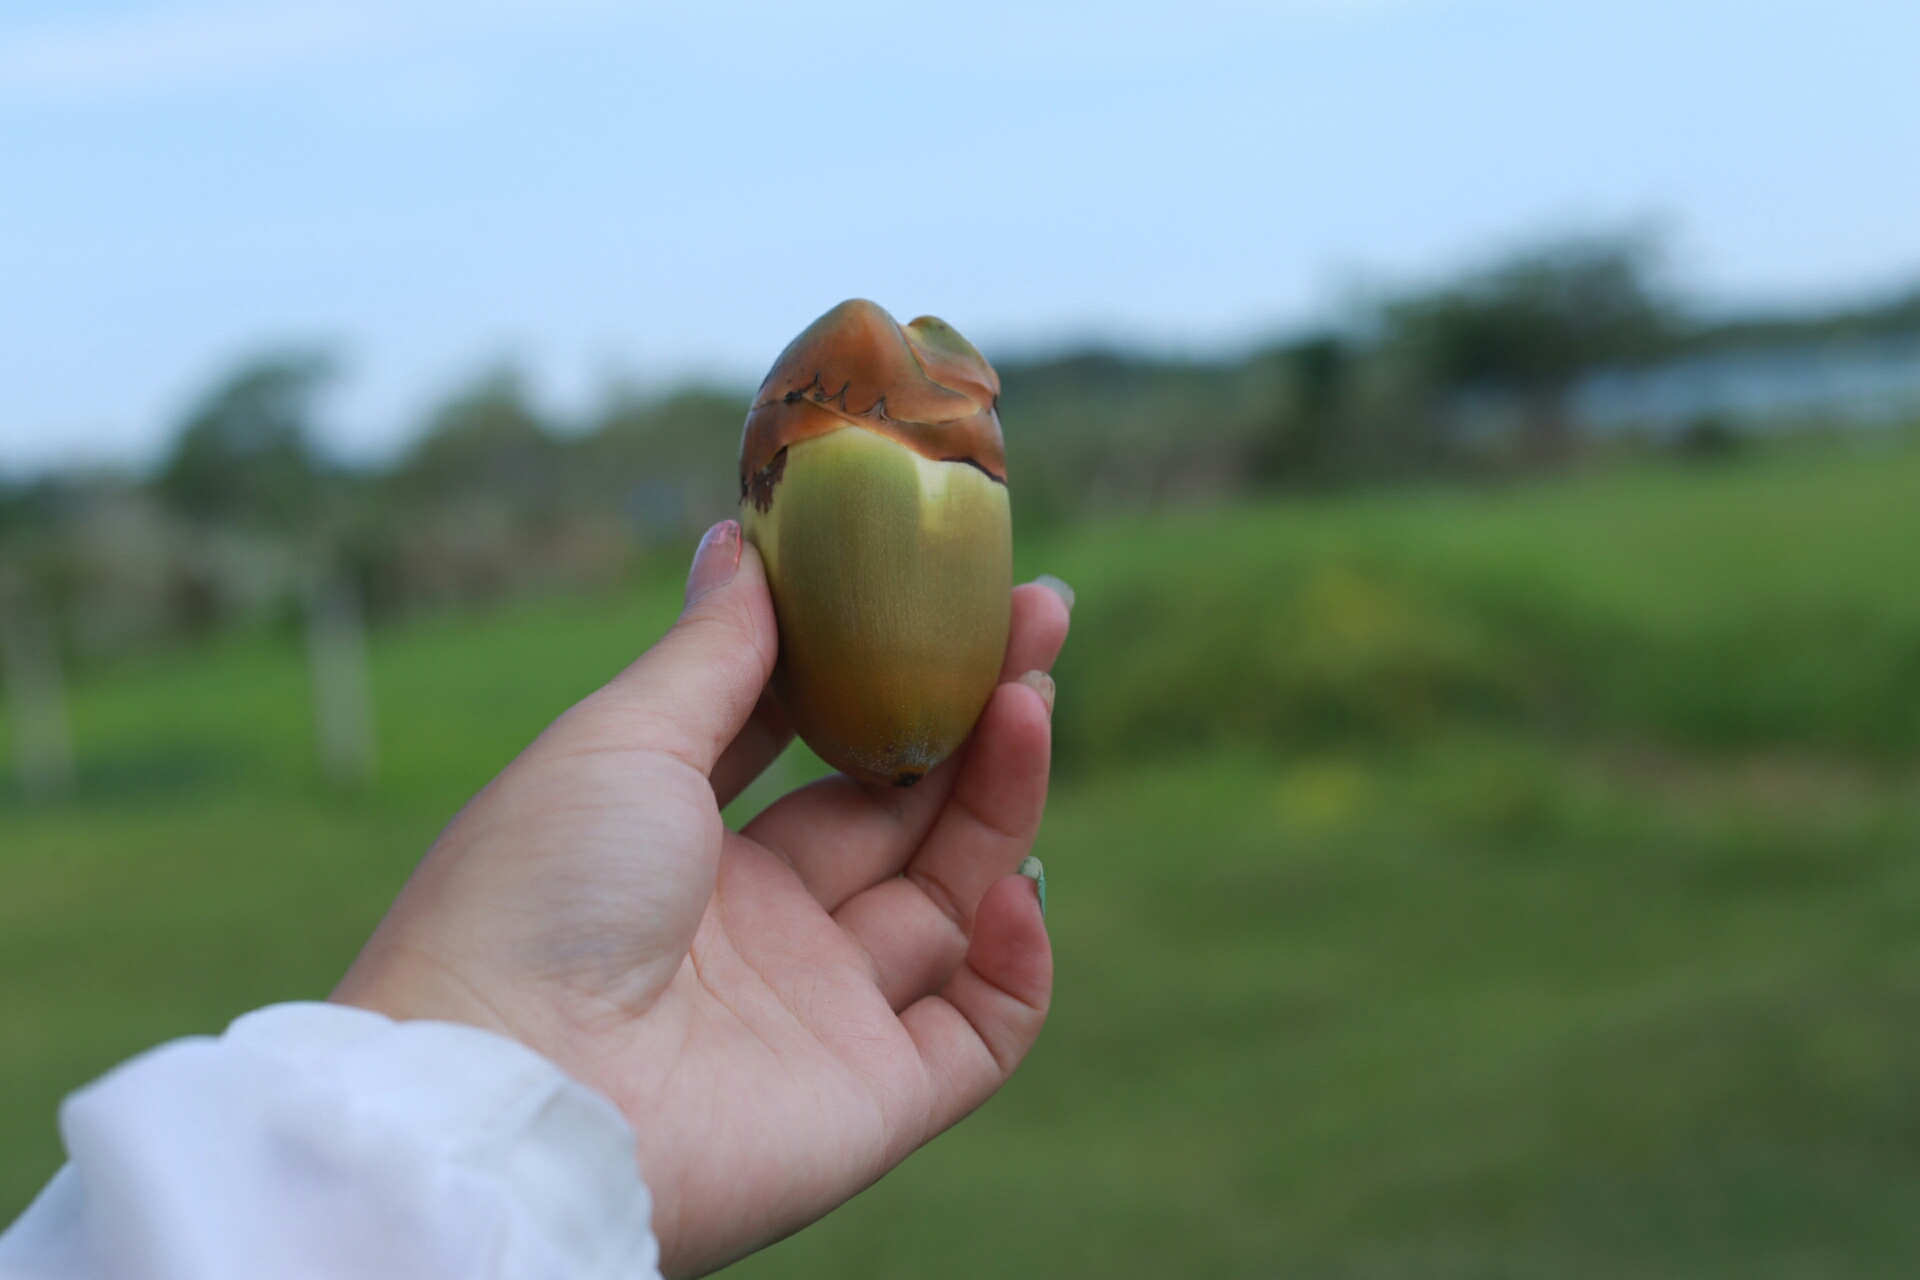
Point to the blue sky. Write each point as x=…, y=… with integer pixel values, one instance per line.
x=614, y=191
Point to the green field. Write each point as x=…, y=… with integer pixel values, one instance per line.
x=1514, y=882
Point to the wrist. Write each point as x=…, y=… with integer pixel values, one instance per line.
x=409, y=985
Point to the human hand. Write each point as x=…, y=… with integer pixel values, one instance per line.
x=783, y=1013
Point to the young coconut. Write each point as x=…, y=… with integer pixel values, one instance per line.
x=873, y=482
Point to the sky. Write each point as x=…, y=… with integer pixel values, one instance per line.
x=606, y=193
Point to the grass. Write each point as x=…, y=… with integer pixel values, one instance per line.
x=1605, y=969
x=1329, y=1019
x=1774, y=604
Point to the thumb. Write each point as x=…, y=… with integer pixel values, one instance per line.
x=691, y=693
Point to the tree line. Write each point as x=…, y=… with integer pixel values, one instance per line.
x=248, y=517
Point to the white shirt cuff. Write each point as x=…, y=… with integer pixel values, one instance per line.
x=321, y=1141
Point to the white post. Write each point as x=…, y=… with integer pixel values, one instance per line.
x=342, y=689
x=36, y=702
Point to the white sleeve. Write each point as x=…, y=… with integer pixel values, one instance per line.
x=318, y=1142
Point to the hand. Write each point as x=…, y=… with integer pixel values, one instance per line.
x=785, y=1013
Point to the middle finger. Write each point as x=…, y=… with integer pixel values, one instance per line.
x=842, y=836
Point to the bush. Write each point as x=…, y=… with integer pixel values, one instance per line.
x=1751, y=609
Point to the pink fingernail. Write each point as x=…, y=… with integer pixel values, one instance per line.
x=1058, y=588
x=716, y=561
x=1041, y=683
x=1030, y=868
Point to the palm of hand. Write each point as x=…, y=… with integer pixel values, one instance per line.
x=782, y=1013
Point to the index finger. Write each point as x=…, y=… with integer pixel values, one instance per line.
x=691, y=694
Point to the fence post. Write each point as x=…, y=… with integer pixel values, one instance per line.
x=36, y=701
x=342, y=688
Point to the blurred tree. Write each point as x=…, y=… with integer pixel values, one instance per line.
x=487, y=444
x=1710, y=438
x=246, y=460
x=668, y=464
x=1898, y=315
x=245, y=455
x=27, y=507
x=1532, y=324
x=1114, y=429
x=492, y=500
x=694, y=424
x=1316, y=375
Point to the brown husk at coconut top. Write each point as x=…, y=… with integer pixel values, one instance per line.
x=921, y=384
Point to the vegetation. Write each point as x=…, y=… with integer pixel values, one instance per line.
x=1446, y=882
x=499, y=499
x=1770, y=605
x=1532, y=326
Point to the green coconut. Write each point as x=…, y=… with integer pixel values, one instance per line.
x=873, y=482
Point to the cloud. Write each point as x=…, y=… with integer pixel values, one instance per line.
x=173, y=45
x=200, y=45
x=179, y=47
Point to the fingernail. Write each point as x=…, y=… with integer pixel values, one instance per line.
x=1058, y=588
x=1041, y=683
x=716, y=560
x=1030, y=868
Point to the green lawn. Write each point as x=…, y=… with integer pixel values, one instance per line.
x=1502, y=883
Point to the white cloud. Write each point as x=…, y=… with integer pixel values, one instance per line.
x=198, y=45
x=182, y=46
